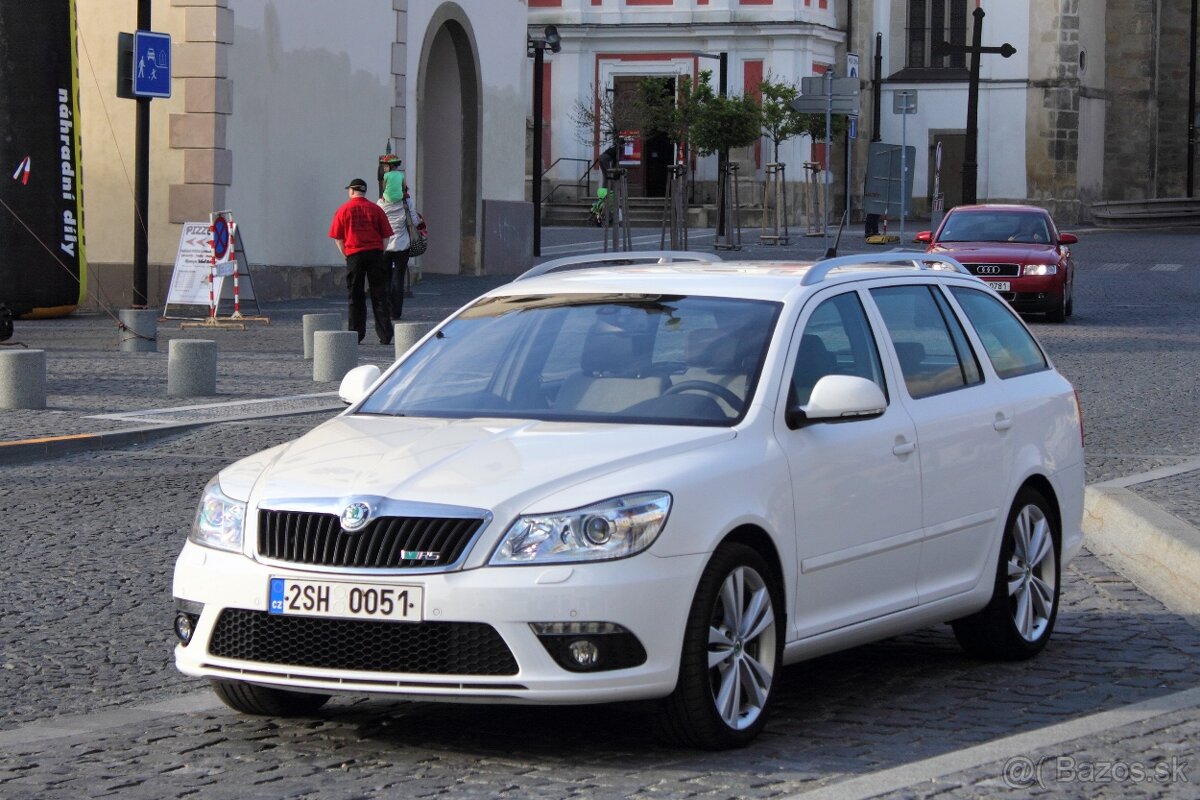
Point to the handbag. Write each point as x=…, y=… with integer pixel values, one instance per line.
x=417, y=240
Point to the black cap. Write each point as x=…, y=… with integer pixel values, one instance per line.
x=358, y=184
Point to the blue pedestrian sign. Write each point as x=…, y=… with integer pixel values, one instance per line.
x=853, y=126
x=151, y=64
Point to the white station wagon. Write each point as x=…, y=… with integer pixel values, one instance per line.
x=649, y=481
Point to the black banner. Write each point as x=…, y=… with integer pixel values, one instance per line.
x=43, y=269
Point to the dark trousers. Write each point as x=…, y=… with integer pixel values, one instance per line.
x=396, y=262
x=366, y=269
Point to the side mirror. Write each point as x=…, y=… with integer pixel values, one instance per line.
x=1068, y=238
x=923, y=237
x=356, y=382
x=839, y=398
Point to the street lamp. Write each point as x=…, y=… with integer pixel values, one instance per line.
x=536, y=46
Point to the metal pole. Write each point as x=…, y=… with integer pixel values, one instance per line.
x=828, y=147
x=903, y=162
x=141, y=182
x=1191, y=119
x=970, y=168
x=723, y=155
x=538, y=58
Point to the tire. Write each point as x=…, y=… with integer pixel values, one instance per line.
x=1070, y=309
x=266, y=702
x=1018, y=620
x=711, y=706
x=1059, y=312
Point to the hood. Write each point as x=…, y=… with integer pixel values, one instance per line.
x=997, y=252
x=478, y=463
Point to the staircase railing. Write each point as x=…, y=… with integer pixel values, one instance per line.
x=584, y=181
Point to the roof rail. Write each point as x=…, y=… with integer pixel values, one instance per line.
x=914, y=260
x=619, y=259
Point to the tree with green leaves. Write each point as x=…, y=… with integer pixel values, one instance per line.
x=781, y=122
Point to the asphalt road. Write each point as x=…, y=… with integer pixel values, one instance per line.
x=91, y=706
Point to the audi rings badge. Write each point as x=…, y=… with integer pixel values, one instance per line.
x=987, y=269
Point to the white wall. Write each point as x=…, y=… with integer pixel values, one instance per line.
x=312, y=98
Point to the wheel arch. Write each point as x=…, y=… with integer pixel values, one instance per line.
x=1042, y=485
x=760, y=541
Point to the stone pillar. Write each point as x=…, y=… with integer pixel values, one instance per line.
x=408, y=334
x=22, y=378
x=139, y=329
x=192, y=368
x=319, y=322
x=334, y=354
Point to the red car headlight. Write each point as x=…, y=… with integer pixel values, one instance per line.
x=1040, y=269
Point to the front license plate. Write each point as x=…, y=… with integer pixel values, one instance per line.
x=1000, y=286
x=346, y=600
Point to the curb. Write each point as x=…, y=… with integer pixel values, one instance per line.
x=23, y=451
x=1156, y=550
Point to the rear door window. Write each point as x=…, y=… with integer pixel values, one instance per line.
x=934, y=353
x=1011, y=348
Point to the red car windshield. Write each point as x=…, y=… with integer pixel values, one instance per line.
x=1004, y=227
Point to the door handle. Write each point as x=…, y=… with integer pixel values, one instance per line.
x=904, y=448
x=1002, y=423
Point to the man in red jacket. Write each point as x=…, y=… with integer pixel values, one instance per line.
x=360, y=229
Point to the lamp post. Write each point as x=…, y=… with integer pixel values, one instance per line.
x=536, y=46
x=722, y=155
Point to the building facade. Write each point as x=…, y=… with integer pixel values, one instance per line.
x=276, y=105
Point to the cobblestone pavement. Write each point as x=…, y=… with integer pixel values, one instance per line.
x=85, y=629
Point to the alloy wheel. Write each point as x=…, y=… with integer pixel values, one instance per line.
x=741, y=647
x=1032, y=577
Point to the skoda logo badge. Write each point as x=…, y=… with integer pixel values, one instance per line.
x=355, y=516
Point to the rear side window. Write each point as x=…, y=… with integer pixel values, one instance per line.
x=1011, y=348
x=930, y=344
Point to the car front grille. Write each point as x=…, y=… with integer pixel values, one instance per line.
x=994, y=270
x=426, y=648
x=385, y=543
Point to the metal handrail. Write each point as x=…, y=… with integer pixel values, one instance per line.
x=915, y=260
x=620, y=259
x=586, y=176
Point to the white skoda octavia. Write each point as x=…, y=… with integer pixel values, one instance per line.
x=649, y=481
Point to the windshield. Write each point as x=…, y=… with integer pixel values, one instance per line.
x=1008, y=226
x=655, y=359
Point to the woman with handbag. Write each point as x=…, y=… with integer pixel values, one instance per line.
x=408, y=239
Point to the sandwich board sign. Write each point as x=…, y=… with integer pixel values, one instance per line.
x=188, y=296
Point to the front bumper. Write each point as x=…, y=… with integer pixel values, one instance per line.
x=647, y=595
x=1035, y=294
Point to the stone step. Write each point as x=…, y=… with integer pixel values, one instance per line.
x=1152, y=213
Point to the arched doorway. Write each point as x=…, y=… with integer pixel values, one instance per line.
x=448, y=140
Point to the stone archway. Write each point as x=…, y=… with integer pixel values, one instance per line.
x=448, y=142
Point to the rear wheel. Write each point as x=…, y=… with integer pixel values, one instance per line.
x=1018, y=621
x=267, y=702
x=732, y=652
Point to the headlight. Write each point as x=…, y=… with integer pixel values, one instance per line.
x=218, y=522
x=610, y=529
x=1040, y=269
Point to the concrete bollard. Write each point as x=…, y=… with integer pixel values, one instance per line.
x=334, y=354
x=22, y=378
x=192, y=368
x=139, y=329
x=319, y=322
x=408, y=334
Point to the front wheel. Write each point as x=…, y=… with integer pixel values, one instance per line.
x=264, y=701
x=732, y=653
x=1018, y=621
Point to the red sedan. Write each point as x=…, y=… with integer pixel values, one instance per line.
x=1016, y=249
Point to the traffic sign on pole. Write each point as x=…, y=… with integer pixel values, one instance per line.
x=151, y=64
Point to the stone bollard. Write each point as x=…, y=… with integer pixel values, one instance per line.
x=334, y=354
x=319, y=322
x=140, y=327
x=22, y=378
x=192, y=368
x=408, y=334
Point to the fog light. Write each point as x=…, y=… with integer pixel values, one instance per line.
x=185, y=626
x=585, y=652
